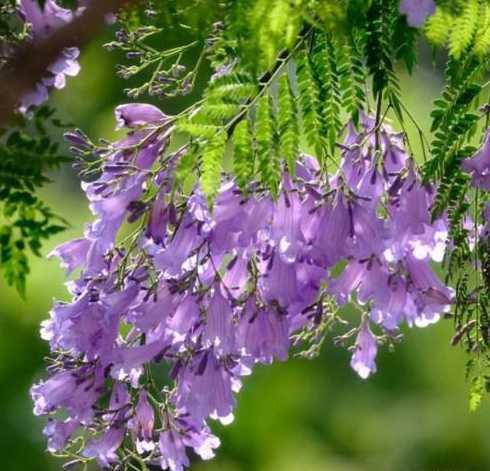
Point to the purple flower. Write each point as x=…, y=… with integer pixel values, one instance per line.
x=104, y=449
x=72, y=254
x=286, y=229
x=172, y=449
x=184, y=432
x=479, y=166
x=219, y=330
x=263, y=334
x=119, y=403
x=391, y=310
x=134, y=115
x=199, y=438
x=143, y=423
x=58, y=433
x=205, y=389
x=431, y=297
x=279, y=282
x=44, y=22
x=186, y=238
x=334, y=230
x=365, y=350
x=417, y=11
x=157, y=227
x=395, y=157
x=348, y=281
x=74, y=391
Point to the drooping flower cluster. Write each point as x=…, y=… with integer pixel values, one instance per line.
x=42, y=23
x=211, y=293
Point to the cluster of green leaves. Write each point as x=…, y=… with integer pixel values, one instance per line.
x=387, y=39
x=26, y=154
x=457, y=125
x=454, y=122
x=470, y=269
x=318, y=82
x=464, y=26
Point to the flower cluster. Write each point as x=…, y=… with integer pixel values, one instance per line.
x=42, y=22
x=211, y=292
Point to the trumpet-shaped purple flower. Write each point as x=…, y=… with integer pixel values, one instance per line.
x=365, y=351
x=182, y=433
x=172, y=449
x=134, y=115
x=72, y=254
x=263, y=334
x=58, y=432
x=105, y=448
x=205, y=388
x=143, y=423
x=219, y=330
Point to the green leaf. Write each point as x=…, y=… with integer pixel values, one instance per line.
x=288, y=125
x=243, y=157
x=212, y=160
x=477, y=391
x=268, y=164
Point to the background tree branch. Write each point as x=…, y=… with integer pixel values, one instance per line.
x=30, y=62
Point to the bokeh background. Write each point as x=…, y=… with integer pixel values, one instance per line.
x=298, y=416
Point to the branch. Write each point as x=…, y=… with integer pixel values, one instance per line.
x=28, y=66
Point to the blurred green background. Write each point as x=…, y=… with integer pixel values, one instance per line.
x=299, y=416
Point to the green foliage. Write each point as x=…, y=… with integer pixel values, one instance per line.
x=266, y=152
x=211, y=124
x=378, y=50
x=477, y=391
x=309, y=98
x=211, y=165
x=454, y=119
x=438, y=27
x=243, y=158
x=482, y=32
x=26, y=154
x=463, y=29
x=325, y=60
x=352, y=77
x=463, y=26
x=288, y=125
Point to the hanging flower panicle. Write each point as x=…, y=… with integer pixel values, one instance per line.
x=214, y=293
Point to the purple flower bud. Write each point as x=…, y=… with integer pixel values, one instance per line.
x=138, y=114
x=142, y=424
x=365, y=350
